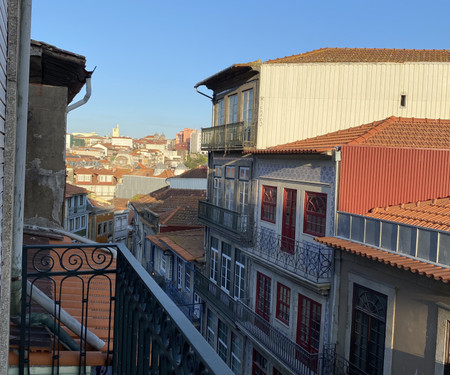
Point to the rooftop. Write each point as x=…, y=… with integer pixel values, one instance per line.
x=370, y=55
x=74, y=190
x=434, y=213
x=390, y=132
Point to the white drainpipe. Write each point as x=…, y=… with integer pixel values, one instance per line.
x=86, y=97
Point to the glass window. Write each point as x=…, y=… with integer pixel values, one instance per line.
x=269, y=203
x=81, y=200
x=232, y=109
x=71, y=224
x=226, y=267
x=77, y=223
x=368, y=331
x=220, y=112
x=283, y=303
x=110, y=226
x=218, y=186
x=222, y=340
x=210, y=327
x=315, y=215
x=263, y=295
x=308, y=324
x=163, y=263
x=99, y=229
x=247, y=106
x=214, y=260
x=236, y=353
x=83, y=221
x=70, y=202
x=187, y=279
x=259, y=364
x=239, y=274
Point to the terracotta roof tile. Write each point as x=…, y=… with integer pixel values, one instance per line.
x=390, y=132
x=186, y=243
x=434, y=213
x=199, y=172
x=395, y=260
x=361, y=55
x=74, y=190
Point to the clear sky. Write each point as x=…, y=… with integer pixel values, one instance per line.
x=150, y=54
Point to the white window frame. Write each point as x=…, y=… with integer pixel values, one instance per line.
x=239, y=281
x=214, y=265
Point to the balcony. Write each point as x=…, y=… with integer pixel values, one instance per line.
x=235, y=136
x=263, y=334
x=223, y=219
x=104, y=304
x=305, y=259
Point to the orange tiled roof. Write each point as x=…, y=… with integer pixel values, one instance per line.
x=394, y=260
x=390, y=132
x=369, y=55
x=434, y=213
x=186, y=243
x=74, y=190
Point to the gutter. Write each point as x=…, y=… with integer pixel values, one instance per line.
x=86, y=96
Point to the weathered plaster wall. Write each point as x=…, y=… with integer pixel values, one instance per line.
x=45, y=170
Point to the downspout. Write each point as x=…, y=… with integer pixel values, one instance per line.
x=86, y=96
x=23, y=78
x=336, y=259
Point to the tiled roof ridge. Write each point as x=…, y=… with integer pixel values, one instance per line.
x=378, y=126
x=171, y=214
x=355, y=49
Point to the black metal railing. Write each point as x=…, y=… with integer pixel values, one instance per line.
x=278, y=344
x=118, y=308
x=307, y=259
x=239, y=224
x=235, y=136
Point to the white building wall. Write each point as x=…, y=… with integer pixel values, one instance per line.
x=299, y=101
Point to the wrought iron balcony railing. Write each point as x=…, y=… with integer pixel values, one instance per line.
x=260, y=331
x=100, y=299
x=306, y=259
x=235, y=136
x=239, y=224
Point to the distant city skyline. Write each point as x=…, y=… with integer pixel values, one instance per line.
x=149, y=55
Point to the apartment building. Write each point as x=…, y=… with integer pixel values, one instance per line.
x=265, y=275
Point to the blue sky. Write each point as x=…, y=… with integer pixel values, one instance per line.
x=150, y=54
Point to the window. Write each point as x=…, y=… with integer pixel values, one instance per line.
x=225, y=278
x=236, y=352
x=210, y=327
x=283, y=303
x=70, y=202
x=71, y=224
x=105, y=227
x=308, y=324
x=81, y=200
x=214, y=260
x=368, y=330
x=229, y=196
x=218, y=186
x=232, y=109
x=263, y=295
x=315, y=214
x=403, y=101
x=247, y=106
x=222, y=340
x=179, y=273
x=220, y=112
x=269, y=203
x=187, y=279
x=83, y=221
x=99, y=229
x=77, y=223
x=110, y=226
x=163, y=263
x=244, y=188
x=102, y=178
x=80, y=178
x=259, y=364
x=239, y=269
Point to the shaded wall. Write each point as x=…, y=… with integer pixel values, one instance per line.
x=45, y=166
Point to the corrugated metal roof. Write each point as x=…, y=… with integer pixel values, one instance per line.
x=434, y=213
x=384, y=176
x=394, y=260
x=390, y=132
x=370, y=55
